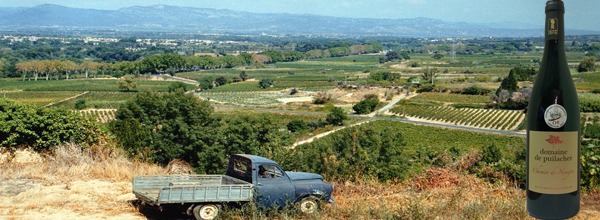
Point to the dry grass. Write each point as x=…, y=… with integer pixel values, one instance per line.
x=96, y=184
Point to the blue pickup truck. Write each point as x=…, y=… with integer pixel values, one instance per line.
x=248, y=178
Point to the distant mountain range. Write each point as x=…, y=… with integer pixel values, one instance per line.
x=218, y=21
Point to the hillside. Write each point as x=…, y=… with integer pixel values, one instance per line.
x=217, y=21
x=96, y=184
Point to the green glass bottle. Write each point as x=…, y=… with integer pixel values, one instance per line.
x=553, y=129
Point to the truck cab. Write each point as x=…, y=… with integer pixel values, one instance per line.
x=275, y=188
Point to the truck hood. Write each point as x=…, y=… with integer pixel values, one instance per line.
x=304, y=176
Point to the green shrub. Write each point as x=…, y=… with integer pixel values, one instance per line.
x=80, y=104
x=590, y=164
x=475, y=90
x=297, y=125
x=589, y=102
x=336, y=116
x=43, y=128
x=426, y=88
x=366, y=106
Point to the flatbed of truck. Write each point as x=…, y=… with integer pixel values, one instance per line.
x=157, y=190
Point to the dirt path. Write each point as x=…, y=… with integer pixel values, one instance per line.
x=67, y=99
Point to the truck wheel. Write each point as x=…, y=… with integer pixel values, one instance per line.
x=309, y=205
x=206, y=212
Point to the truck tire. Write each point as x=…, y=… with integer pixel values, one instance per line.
x=206, y=212
x=309, y=205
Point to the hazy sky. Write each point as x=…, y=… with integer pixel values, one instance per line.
x=581, y=14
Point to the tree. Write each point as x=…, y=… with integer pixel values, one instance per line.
x=428, y=75
x=265, y=83
x=127, y=84
x=437, y=56
x=297, y=125
x=206, y=83
x=365, y=106
x=161, y=127
x=177, y=87
x=509, y=84
x=221, y=80
x=243, y=75
x=588, y=64
x=336, y=116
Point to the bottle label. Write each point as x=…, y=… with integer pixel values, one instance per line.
x=555, y=116
x=553, y=26
x=553, y=162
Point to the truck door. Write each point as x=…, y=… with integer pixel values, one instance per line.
x=274, y=188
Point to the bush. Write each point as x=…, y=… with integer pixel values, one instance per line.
x=43, y=128
x=80, y=104
x=323, y=98
x=177, y=86
x=426, y=88
x=297, y=125
x=265, y=83
x=589, y=103
x=588, y=64
x=161, y=127
x=475, y=90
x=590, y=164
x=366, y=106
x=336, y=116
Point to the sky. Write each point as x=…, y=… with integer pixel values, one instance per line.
x=581, y=14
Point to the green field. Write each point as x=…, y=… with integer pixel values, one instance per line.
x=106, y=85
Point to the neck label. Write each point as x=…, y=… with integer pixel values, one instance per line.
x=553, y=26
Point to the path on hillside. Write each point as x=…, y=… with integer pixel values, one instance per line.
x=374, y=116
x=371, y=115
x=67, y=99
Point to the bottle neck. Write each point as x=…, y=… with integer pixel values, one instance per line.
x=555, y=25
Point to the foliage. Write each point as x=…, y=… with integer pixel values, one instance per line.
x=221, y=80
x=365, y=106
x=322, y=98
x=509, y=84
x=259, y=134
x=437, y=56
x=475, y=90
x=336, y=116
x=487, y=118
x=161, y=127
x=127, y=84
x=243, y=75
x=356, y=153
x=523, y=73
x=588, y=64
x=428, y=75
x=80, y=104
x=385, y=75
x=43, y=128
x=589, y=102
x=265, y=83
x=178, y=87
x=426, y=88
x=387, y=150
x=206, y=83
x=590, y=164
x=297, y=125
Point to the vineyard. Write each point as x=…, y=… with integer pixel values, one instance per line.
x=99, y=115
x=267, y=98
x=481, y=118
x=38, y=98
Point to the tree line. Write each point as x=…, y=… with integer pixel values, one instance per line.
x=168, y=63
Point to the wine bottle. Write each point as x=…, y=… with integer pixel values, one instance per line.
x=553, y=129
